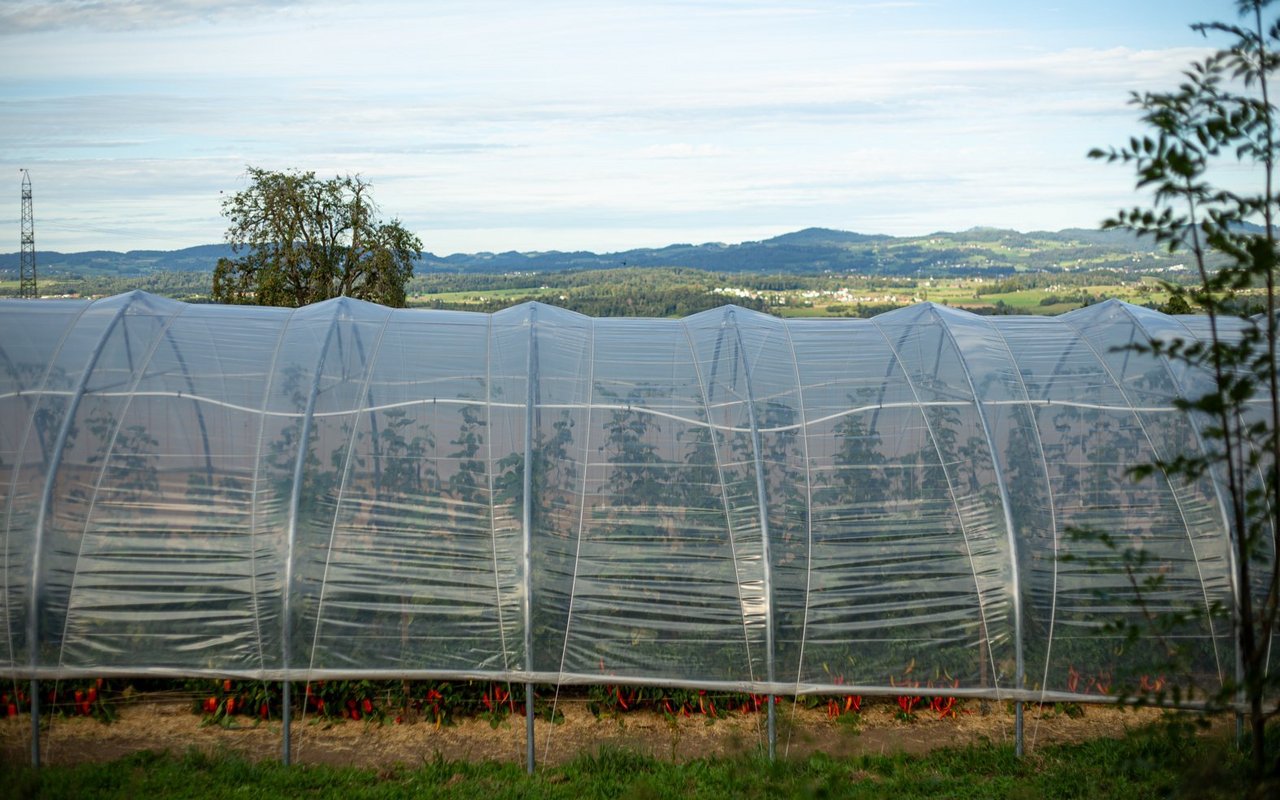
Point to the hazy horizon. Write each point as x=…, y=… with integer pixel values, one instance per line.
x=581, y=249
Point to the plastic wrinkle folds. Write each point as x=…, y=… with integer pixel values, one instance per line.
x=725, y=501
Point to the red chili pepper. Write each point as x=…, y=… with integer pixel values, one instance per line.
x=13, y=709
x=79, y=696
x=92, y=695
x=85, y=709
x=100, y=683
x=368, y=706
x=226, y=685
x=264, y=711
x=355, y=713
x=231, y=705
x=210, y=705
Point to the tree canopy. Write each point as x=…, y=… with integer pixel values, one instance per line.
x=301, y=240
x=1220, y=115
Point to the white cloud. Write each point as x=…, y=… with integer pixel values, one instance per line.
x=570, y=115
x=120, y=15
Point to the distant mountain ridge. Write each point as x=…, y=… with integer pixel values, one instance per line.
x=200, y=258
x=808, y=251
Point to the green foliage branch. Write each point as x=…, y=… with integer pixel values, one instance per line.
x=1222, y=113
x=305, y=240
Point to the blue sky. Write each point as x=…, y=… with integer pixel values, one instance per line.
x=580, y=124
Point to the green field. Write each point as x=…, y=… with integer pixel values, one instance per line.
x=679, y=292
x=1154, y=762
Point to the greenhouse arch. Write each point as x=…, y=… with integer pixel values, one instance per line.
x=728, y=500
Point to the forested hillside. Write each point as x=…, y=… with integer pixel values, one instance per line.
x=980, y=251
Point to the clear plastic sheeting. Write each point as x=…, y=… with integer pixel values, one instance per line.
x=728, y=500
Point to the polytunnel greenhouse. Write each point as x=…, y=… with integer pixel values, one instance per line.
x=729, y=500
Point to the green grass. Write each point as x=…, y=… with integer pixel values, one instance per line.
x=477, y=297
x=789, y=311
x=1148, y=763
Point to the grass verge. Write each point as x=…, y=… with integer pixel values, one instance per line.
x=1157, y=761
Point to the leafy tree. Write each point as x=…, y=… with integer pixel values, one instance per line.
x=1222, y=112
x=305, y=240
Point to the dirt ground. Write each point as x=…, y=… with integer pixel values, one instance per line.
x=169, y=725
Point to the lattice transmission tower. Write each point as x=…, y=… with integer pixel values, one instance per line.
x=27, y=268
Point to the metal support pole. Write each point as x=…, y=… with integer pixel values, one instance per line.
x=1020, y=669
x=762, y=500
x=35, y=597
x=35, y=722
x=528, y=726
x=291, y=534
x=286, y=715
x=773, y=729
x=1017, y=728
x=531, y=379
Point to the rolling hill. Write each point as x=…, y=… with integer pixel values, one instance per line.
x=808, y=251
